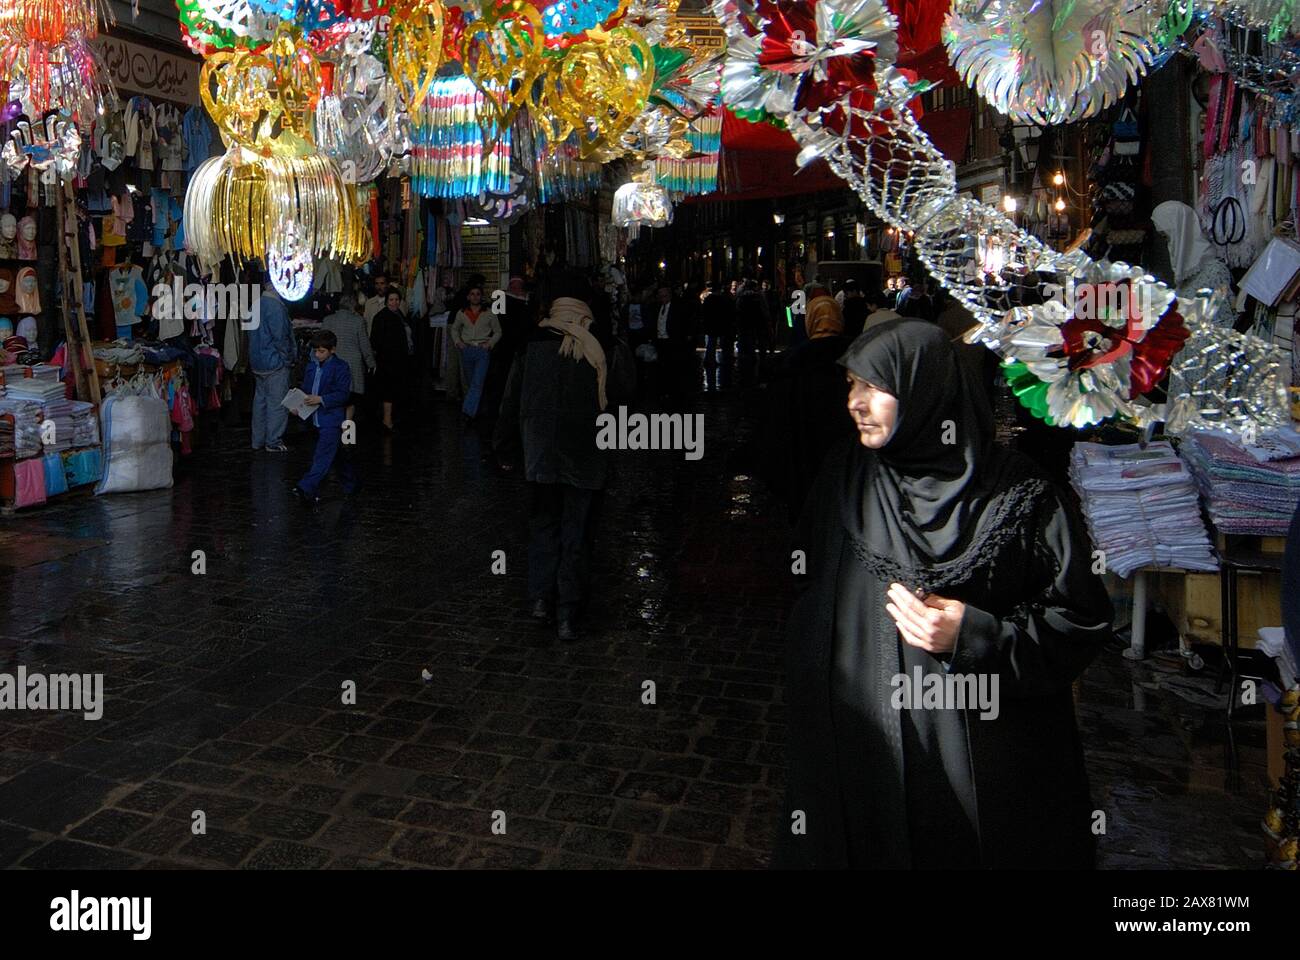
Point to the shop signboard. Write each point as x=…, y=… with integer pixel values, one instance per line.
x=139, y=70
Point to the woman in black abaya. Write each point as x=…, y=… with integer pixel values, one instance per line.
x=930, y=547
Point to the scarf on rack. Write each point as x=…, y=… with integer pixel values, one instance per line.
x=571, y=318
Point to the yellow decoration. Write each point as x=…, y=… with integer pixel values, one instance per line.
x=415, y=39
x=548, y=90
x=238, y=204
x=263, y=101
x=502, y=55
x=606, y=80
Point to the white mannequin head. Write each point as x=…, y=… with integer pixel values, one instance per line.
x=8, y=226
x=27, y=226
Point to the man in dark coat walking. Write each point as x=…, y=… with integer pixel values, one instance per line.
x=561, y=382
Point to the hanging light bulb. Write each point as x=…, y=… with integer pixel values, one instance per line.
x=1058, y=178
x=1009, y=203
x=1060, y=205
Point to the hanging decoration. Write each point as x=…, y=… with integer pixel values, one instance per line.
x=289, y=261
x=567, y=21
x=603, y=85
x=1052, y=61
x=211, y=25
x=51, y=146
x=562, y=174
x=239, y=205
x=1223, y=380
x=415, y=43
x=642, y=202
x=1081, y=364
x=448, y=156
x=697, y=173
x=47, y=61
x=787, y=57
x=272, y=195
x=359, y=121
x=501, y=53
x=656, y=20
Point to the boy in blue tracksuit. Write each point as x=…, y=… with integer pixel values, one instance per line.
x=328, y=384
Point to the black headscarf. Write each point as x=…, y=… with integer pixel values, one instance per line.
x=919, y=509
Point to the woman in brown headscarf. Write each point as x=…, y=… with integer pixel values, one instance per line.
x=825, y=318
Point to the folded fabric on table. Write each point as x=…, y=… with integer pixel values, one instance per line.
x=119, y=351
x=85, y=424
x=1243, y=494
x=27, y=425
x=1141, y=507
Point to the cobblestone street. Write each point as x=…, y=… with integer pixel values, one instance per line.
x=224, y=692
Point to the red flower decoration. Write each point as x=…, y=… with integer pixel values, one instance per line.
x=1091, y=343
x=791, y=45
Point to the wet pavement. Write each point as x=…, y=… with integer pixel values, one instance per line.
x=475, y=740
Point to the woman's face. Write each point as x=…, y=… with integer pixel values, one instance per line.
x=475, y=297
x=874, y=412
x=394, y=301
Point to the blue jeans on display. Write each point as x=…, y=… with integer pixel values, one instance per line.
x=474, y=364
x=269, y=417
x=329, y=455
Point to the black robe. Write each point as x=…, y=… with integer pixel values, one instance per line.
x=806, y=417
x=388, y=337
x=1009, y=792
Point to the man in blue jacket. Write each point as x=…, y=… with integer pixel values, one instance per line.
x=270, y=353
x=328, y=384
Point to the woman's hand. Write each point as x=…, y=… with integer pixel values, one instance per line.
x=312, y=401
x=931, y=624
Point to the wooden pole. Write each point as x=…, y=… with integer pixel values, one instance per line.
x=88, y=378
x=71, y=340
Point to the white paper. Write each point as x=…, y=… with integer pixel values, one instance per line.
x=296, y=401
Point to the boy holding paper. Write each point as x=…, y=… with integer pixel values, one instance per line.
x=327, y=383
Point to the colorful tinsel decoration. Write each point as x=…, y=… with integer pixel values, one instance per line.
x=697, y=173
x=447, y=155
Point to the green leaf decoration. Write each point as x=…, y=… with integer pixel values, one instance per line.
x=1029, y=390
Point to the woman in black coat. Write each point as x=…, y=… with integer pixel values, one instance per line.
x=393, y=342
x=949, y=608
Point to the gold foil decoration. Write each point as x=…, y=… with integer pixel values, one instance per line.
x=415, y=37
x=264, y=101
x=606, y=80
x=502, y=55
